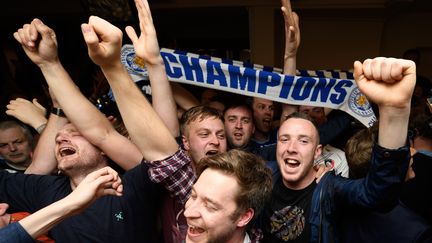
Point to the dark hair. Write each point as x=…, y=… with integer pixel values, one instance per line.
x=236, y=102
x=421, y=125
x=251, y=173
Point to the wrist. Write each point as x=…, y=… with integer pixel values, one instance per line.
x=40, y=128
x=58, y=112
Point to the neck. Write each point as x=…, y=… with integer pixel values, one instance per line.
x=237, y=237
x=261, y=136
x=76, y=180
x=77, y=176
x=19, y=166
x=303, y=183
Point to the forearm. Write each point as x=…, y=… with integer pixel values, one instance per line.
x=183, y=98
x=43, y=220
x=290, y=67
x=93, y=125
x=393, y=127
x=44, y=161
x=162, y=97
x=90, y=122
x=146, y=128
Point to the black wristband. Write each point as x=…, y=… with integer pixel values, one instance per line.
x=58, y=112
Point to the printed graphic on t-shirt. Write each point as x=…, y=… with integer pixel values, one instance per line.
x=287, y=223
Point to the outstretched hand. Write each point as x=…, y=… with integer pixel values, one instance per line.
x=292, y=30
x=39, y=42
x=388, y=82
x=146, y=45
x=103, y=40
x=105, y=181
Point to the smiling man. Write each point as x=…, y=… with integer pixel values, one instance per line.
x=298, y=199
x=231, y=190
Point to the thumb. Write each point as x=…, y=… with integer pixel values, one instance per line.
x=36, y=103
x=90, y=37
x=46, y=32
x=131, y=34
x=358, y=70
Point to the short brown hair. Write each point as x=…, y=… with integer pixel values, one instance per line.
x=252, y=175
x=358, y=151
x=198, y=112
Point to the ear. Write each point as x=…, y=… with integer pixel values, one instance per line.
x=245, y=217
x=318, y=151
x=185, y=143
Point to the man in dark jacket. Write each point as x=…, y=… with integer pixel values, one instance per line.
x=303, y=210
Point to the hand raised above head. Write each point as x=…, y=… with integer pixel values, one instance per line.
x=388, y=82
x=39, y=42
x=146, y=45
x=103, y=40
x=292, y=30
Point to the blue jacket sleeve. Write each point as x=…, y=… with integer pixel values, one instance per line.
x=380, y=188
x=15, y=233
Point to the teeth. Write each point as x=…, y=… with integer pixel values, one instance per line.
x=67, y=151
x=291, y=161
x=196, y=230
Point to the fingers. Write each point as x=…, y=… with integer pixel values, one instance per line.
x=46, y=32
x=105, y=30
x=113, y=192
x=358, y=71
x=388, y=70
x=106, y=178
x=90, y=37
x=22, y=35
x=36, y=103
x=3, y=208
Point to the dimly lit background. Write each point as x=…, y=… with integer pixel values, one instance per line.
x=334, y=33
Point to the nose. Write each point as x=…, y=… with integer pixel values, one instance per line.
x=191, y=209
x=239, y=124
x=214, y=139
x=62, y=137
x=12, y=147
x=292, y=147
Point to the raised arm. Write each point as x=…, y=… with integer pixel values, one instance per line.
x=40, y=45
x=147, y=47
x=292, y=37
x=183, y=98
x=145, y=127
x=389, y=83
